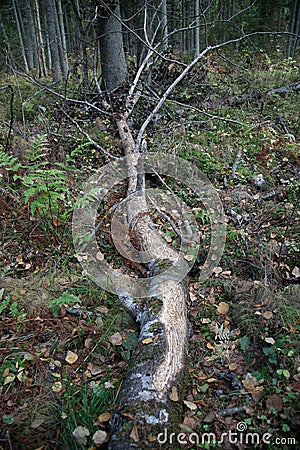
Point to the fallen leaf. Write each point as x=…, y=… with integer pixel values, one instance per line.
x=37, y=422
x=223, y=308
x=270, y=340
x=174, y=394
x=189, y=257
x=218, y=270
x=296, y=272
x=116, y=339
x=192, y=406
x=108, y=385
x=9, y=378
x=99, y=437
x=99, y=256
x=267, y=315
x=71, y=357
x=5, y=373
x=134, y=435
x=147, y=340
x=274, y=401
x=80, y=434
x=104, y=417
x=95, y=370
x=57, y=386
x=233, y=366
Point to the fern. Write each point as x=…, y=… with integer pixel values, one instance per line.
x=9, y=162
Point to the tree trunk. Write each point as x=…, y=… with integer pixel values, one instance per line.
x=164, y=23
x=197, y=29
x=31, y=38
x=53, y=38
x=113, y=63
x=39, y=36
x=294, y=27
x=17, y=19
x=62, y=33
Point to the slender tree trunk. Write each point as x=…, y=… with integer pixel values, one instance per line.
x=31, y=38
x=83, y=46
x=113, y=63
x=52, y=30
x=197, y=30
x=294, y=27
x=17, y=19
x=40, y=41
x=64, y=51
x=164, y=23
x=139, y=25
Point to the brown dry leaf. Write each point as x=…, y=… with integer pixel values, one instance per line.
x=267, y=315
x=71, y=357
x=248, y=384
x=256, y=396
x=80, y=434
x=223, y=308
x=274, y=401
x=190, y=422
x=189, y=257
x=174, y=394
x=233, y=366
x=5, y=373
x=134, y=435
x=151, y=438
x=218, y=270
x=99, y=437
x=116, y=339
x=19, y=258
x=147, y=340
x=104, y=417
x=95, y=370
x=209, y=346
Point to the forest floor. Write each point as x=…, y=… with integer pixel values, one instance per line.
x=65, y=343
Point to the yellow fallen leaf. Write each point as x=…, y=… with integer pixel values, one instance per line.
x=223, y=308
x=233, y=366
x=147, y=340
x=174, y=394
x=57, y=386
x=71, y=357
x=104, y=417
x=267, y=315
x=99, y=256
x=189, y=257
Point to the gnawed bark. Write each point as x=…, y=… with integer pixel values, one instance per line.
x=159, y=360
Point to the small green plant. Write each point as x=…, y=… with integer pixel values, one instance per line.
x=10, y=308
x=63, y=300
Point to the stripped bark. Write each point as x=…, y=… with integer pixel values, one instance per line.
x=144, y=398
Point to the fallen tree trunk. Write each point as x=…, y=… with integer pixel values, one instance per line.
x=244, y=98
x=143, y=405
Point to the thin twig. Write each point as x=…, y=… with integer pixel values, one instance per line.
x=91, y=140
